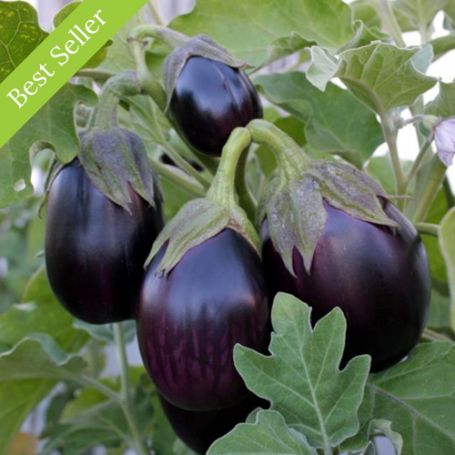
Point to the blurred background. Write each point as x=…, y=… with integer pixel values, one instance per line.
x=19, y=226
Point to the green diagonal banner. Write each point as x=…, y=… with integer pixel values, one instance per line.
x=44, y=72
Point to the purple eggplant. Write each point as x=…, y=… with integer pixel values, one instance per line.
x=95, y=250
x=190, y=320
x=199, y=429
x=209, y=100
x=378, y=276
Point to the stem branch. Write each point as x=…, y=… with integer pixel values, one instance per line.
x=127, y=405
x=390, y=21
x=428, y=229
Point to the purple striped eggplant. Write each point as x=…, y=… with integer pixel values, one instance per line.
x=190, y=319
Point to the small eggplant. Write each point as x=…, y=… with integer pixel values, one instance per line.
x=378, y=276
x=190, y=319
x=95, y=249
x=209, y=101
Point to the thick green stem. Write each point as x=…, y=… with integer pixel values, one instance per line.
x=222, y=189
x=127, y=405
x=247, y=200
x=419, y=160
x=150, y=85
x=428, y=229
x=178, y=178
x=291, y=159
x=123, y=84
x=426, y=190
x=96, y=74
x=390, y=21
x=390, y=135
x=183, y=164
x=168, y=36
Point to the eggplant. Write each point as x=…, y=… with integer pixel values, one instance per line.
x=199, y=429
x=209, y=100
x=94, y=249
x=190, y=319
x=379, y=277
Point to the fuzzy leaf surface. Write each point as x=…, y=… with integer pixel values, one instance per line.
x=302, y=378
x=383, y=76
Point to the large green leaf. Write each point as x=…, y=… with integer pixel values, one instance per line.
x=384, y=76
x=38, y=357
x=268, y=435
x=259, y=31
x=335, y=122
x=52, y=127
x=418, y=396
x=41, y=315
x=19, y=35
x=302, y=378
x=447, y=243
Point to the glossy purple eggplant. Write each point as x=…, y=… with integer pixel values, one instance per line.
x=190, y=320
x=378, y=276
x=95, y=250
x=199, y=429
x=210, y=99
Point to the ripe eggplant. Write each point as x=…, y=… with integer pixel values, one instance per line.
x=95, y=250
x=198, y=430
x=190, y=320
x=209, y=100
x=378, y=276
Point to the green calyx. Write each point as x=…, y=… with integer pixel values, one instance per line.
x=116, y=162
x=293, y=202
x=115, y=159
x=202, y=219
x=200, y=45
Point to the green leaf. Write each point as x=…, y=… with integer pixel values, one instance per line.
x=442, y=45
x=383, y=76
x=363, y=10
x=447, y=244
x=323, y=67
x=439, y=316
x=418, y=396
x=335, y=122
x=268, y=434
x=257, y=31
x=417, y=14
x=44, y=315
x=301, y=377
x=52, y=127
x=38, y=357
x=19, y=35
x=444, y=104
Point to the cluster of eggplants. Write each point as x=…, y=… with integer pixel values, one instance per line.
x=217, y=295
x=94, y=249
